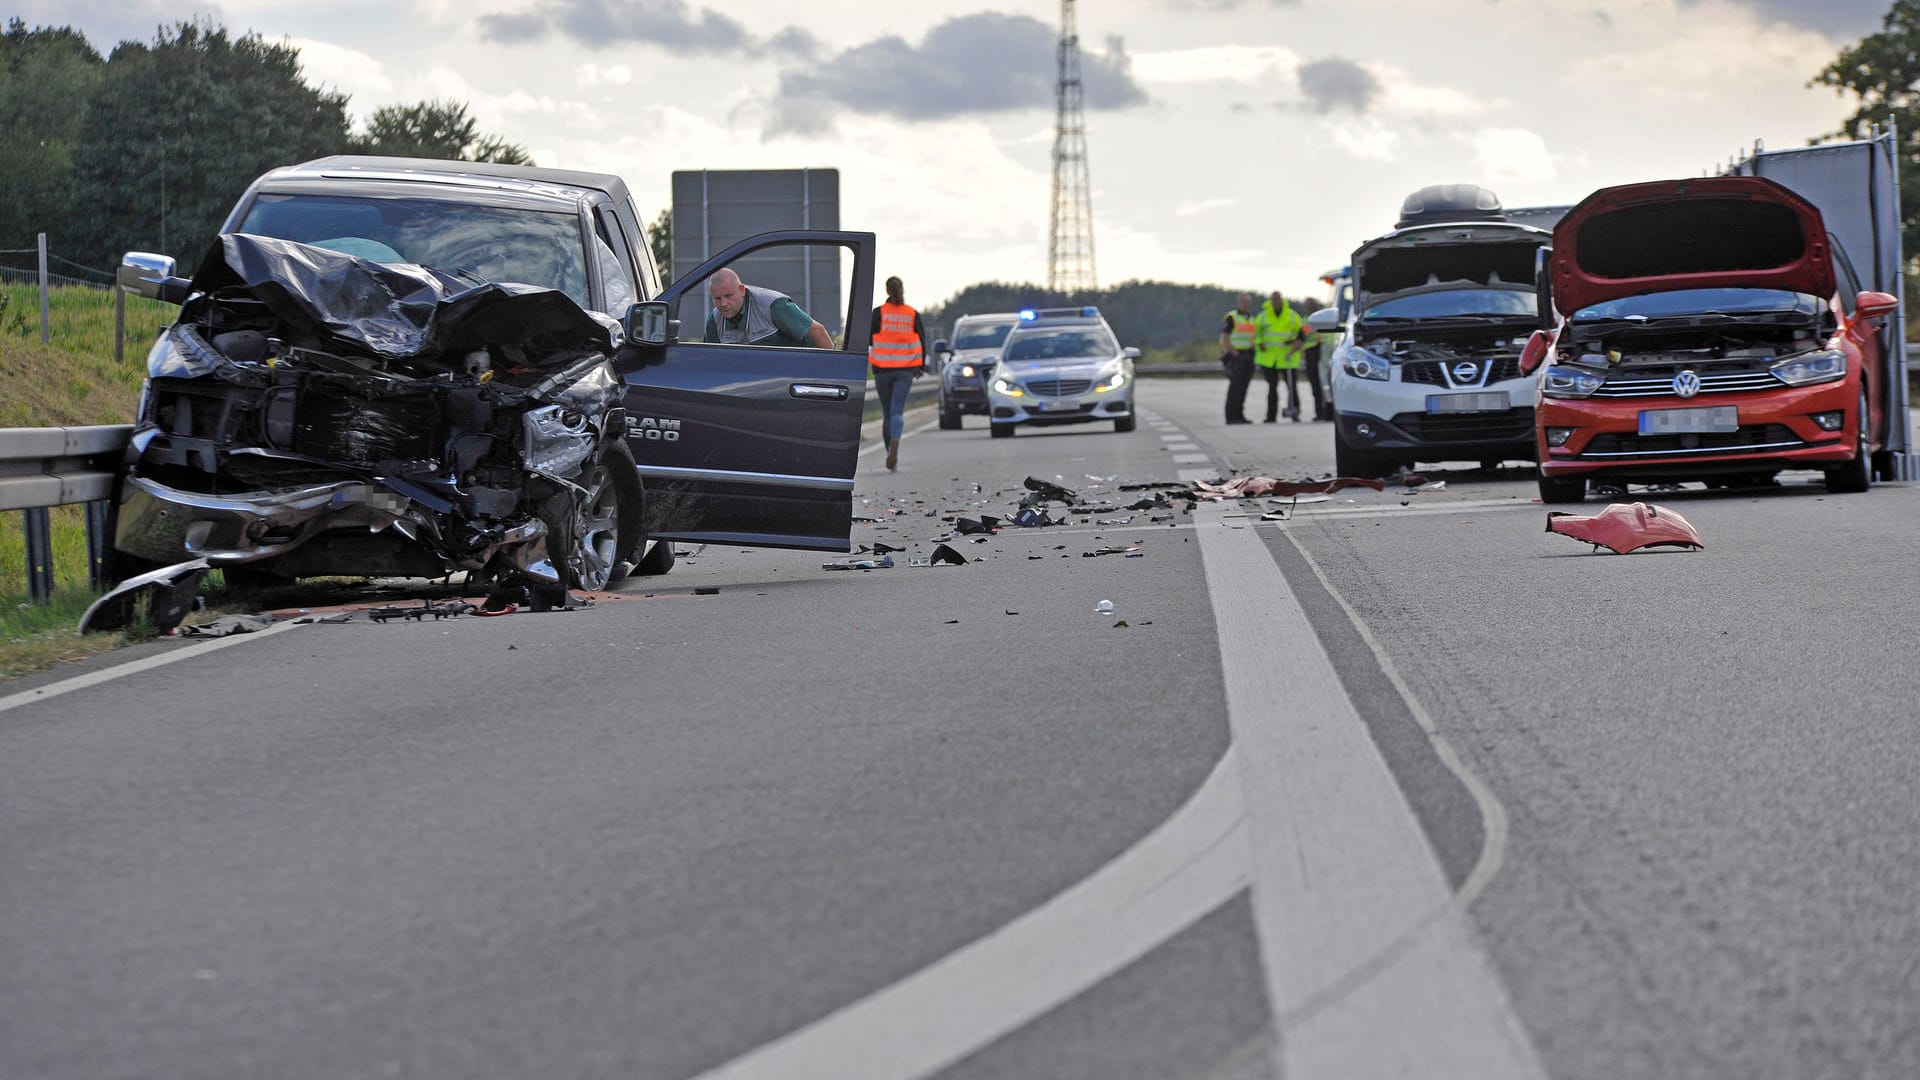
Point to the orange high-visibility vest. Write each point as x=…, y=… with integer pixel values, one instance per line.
x=896, y=345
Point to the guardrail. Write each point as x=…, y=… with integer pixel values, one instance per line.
x=58, y=466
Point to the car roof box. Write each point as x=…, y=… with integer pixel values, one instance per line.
x=1439, y=203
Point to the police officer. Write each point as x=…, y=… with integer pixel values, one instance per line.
x=1277, y=334
x=1236, y=353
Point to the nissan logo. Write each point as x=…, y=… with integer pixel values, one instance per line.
x=1686, y=384
x=1465, y=371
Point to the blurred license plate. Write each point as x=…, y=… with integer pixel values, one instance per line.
x=1689, y=421
x=1438, y=403
x=1055, y=406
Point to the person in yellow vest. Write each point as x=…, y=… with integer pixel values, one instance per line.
x=1278, y=333
x=1236, y=352
x=898, y=355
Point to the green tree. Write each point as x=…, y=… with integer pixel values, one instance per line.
x=1882, y=72
x=435, y=129
x=174, y=132
x=44, y=72
x=660, y=239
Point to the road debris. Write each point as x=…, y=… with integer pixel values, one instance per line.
x=1624, y=527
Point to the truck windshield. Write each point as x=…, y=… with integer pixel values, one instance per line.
x=494, y=243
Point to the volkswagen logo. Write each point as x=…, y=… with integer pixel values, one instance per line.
x=1686, y=384
x=1465, y=372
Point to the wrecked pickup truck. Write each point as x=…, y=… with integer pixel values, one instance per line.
x=412, y=368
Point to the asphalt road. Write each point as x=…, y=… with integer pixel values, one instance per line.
x=1398, y=784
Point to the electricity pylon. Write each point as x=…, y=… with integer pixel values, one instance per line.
x=1070, y=226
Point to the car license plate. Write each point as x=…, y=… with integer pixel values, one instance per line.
x=1714, y=418
x=1052, y=406
x=1449, y=403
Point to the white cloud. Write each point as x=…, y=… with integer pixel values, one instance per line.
x=1256, y=64
x=1368, y=140
x=1191, y=207
x=1502, y=155
x=592, y=75
x=350, y=71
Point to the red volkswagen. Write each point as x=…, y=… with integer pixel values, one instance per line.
x=1712, y=330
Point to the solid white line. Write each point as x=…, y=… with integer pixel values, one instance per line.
x=1173, y=438
x=134, y=667
x=1191, y=864
x=1372, y=969
x=1186, y=458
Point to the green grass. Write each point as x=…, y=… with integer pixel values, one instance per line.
x=71, y=380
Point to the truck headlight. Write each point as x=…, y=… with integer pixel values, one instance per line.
x=1827, y=365
x=1362, y=364
x=1571, y=382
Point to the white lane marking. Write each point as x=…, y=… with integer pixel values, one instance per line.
x=1173, y=438
x=1188, y=458
x=1180, y=447
x=1372, y=966
x=134, y=667
x=1191, y=864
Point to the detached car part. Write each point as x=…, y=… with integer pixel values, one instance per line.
x=1624, y=527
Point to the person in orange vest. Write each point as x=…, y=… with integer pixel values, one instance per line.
x=1236, y=354
x=898, y=355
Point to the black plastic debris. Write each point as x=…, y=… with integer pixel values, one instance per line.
x=1158, y=502
x=1110, y=551
x=1048, y=490
x=944, y=554
x=706, y=590
x=171, y=593
x=506, y=597
x=885, y=549
x=967, y=526
x=1032, y=517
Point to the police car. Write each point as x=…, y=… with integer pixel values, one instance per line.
x=1061, y=366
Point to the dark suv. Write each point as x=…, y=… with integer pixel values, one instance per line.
x=411, y=367
x=966, y=362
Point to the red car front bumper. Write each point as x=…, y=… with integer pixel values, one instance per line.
x=1776, y=431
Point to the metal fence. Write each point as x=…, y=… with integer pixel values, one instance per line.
x=60, y=466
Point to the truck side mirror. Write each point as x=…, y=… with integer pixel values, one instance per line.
x=1535, y=352
x=646, y=323
x=144, y=273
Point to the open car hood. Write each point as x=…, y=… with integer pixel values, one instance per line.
x=397, y=311
x=1707, y=232
x=1429, y=257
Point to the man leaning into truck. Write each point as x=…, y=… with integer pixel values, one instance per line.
x=750, y=315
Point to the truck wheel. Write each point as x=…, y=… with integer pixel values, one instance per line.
x=1562, y=489
x=583, y=541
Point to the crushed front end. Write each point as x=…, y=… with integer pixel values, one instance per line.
x=311, y=413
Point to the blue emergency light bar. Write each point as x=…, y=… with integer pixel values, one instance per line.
x=1030, y=314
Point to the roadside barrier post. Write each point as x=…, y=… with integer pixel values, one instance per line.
x=44, y=338
x=39, y=554
x=98, y=539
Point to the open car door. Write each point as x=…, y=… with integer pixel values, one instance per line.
x=753, y=444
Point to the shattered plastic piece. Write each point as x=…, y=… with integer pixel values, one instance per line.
x=706, y=590
x=1136, y=554
x=1048, y=490
x=884, y=549
x=1032, y=518
x=1108, y=551
x=944, y=554
x=173, y=591
x=967, y=526
x=1248, y=487
x=1625, y=527
x=1128, y=520
x=885, y=562
x=1158, y=502
x=1119, y=625
x=1104, y=607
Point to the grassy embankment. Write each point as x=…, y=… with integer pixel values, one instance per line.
x=70, y=381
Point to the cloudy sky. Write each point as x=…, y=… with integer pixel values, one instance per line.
x=1250, y=143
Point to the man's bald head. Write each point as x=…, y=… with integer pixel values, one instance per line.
x=727, y=292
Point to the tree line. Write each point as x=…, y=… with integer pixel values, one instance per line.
x=148, y=147
x=1144, y=314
